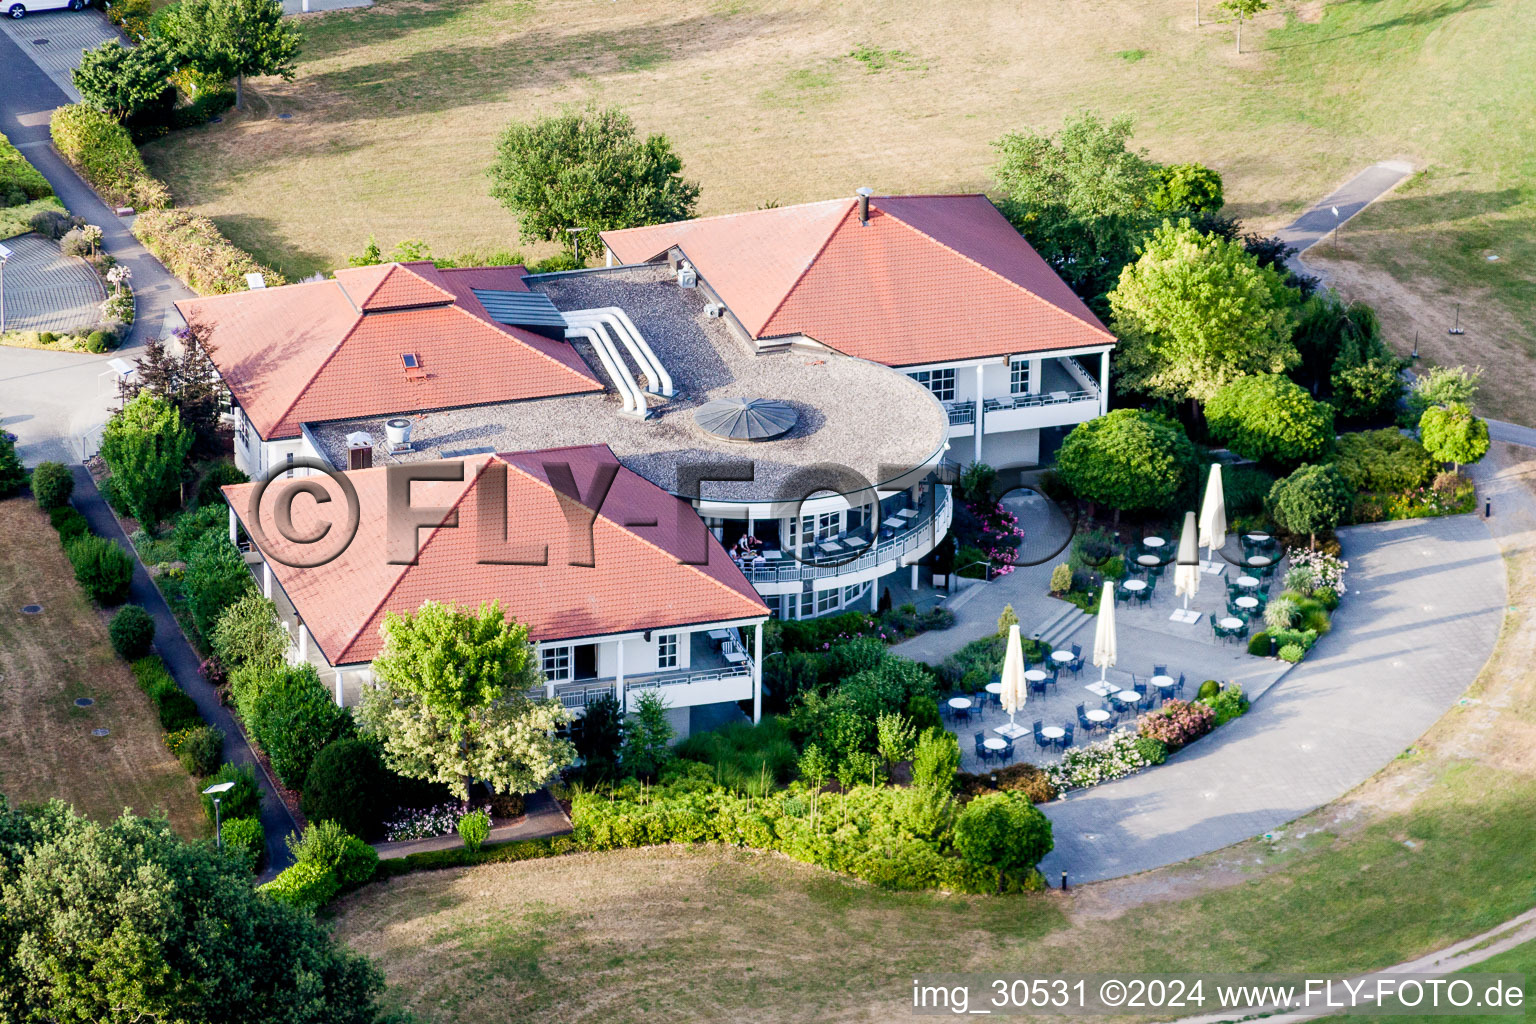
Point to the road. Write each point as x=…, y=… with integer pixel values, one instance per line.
x=51, y=399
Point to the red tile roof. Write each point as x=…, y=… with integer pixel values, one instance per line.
x=637, y=580
x=331, y=350
x=929, y=279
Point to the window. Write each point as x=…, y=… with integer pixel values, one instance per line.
x=556, y=662
x=940, y=382
x=241, y=428
x=1018, y=376
x=289, y=462
x=826, y=600
x=666, y=650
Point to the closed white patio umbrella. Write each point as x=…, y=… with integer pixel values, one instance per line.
x=1213, y=514
x=1186, y=575
x=1015, y=691
x=1104, y=647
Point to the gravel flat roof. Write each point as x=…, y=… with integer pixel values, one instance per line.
x=867, y=417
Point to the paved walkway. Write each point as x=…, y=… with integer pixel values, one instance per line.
x=183, y=662
x=48, y=291
x=1349, y=199
x=52, y=399
x=1425, y=606
x=544, y=817
x=55, y=39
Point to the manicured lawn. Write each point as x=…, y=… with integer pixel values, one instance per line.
x=396, y=109
x=50, y=659
x=1431, y=850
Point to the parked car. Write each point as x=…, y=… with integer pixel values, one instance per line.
x=21, y=10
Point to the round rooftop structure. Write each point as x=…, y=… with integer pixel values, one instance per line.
x=746, y=419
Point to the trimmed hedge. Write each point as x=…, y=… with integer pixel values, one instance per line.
x=177, y=711
x=102, y=568
x=132, y=632
x=200, y=749
x=495, y=853
x=244, y=801
x=100, y=148
x=52, y=483
x=193, y=249
x=291, y=714
x=243, y=838
x=307, y=886
x=18, y=178
x=343, y=785
x=70, y=524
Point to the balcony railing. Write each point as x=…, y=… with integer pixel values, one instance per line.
x=922, y=530
x=960, y=412
x=1044, y=398
x=581, y=692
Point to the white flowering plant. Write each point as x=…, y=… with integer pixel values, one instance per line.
x=427, y=822
x=1327, y=570
x=1113, y=757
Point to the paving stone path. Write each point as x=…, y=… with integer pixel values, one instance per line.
x=48, y=291
x=55, y=39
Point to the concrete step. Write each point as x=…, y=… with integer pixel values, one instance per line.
x=1058, y=616
x=1065, y=625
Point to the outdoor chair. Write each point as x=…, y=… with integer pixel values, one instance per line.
x=1054, y=677
x=1159, y=670
x=962, y=714
x=1122, y=595
x=1007, y=752
x=1241, y=631
x=1066, y=740
x=1077, y=659
x=1037, y=686
x=1082, y=719
x=981, y=750
x=1040, y=740
x=1145, y=596
x=1178, y=687
x=1166, y=692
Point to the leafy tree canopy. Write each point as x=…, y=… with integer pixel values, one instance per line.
x=1186, y=188
x=588, y=169
x=1452, y=434
x=121, y=81
x=1127, y=459
x=226, y=39
x=1312, y=500
x=1197, y=311
x=1443, y=385
x=145, y=444
x=1269, y=418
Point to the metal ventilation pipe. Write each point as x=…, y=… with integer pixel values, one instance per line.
x=864, y=194
x=629, y=391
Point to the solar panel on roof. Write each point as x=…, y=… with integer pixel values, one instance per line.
x=532, y=310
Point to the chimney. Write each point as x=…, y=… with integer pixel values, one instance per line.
x=864, y=194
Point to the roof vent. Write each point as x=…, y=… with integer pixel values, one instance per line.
x=714, y=310
x=359, y=450
x=864, y=194
x=746, y=419
x=398, y=432
x=687, y=277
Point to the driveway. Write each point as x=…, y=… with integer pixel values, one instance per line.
x=48, y=291
x=50, y=400
x=1426, y=601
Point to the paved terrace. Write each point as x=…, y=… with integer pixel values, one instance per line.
x=854, y=413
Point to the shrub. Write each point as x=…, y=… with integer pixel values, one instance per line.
x=100, y=341
x=194, y=524
x=52, y=484
x=344, y=785
x=307, y=886
x=1227, y=705
x=177, y=710
x=1127, y=459
x=1293, y=653
x=20, y=177
x=146, y=444
x=1113, y=757
x=12, y=474
x=1003, y=831
x=474, y=829
x=102, y=568
x=244, y=801
x=1280, y=613
x=216, y=578
x=1023, y=777
x=1209, y=688
x=1061, y=578
x=1312, y=500
x=1153, y=751
x=100, y=148
x=1269, y=418
x=220, y=474
x=132, y=632
x=244, y=839
x=199, y=749
x=1177, y=723
x=327, y=844
x=936, y=759
x=248, y=634
x=1258, y=645
x=1382, y=460
x=747, y=758
x=1312, y=614
x=290, y=713
x=193, y=249
x=70, y=524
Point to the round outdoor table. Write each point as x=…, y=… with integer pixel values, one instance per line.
x=1148, y=559
x=1161, y=680
x=959, y=703
x=1153, y=542
x=1230, y=622
x=994, y=688
x=1134, y=585
x=1096, y=715
x=1247, y=581
x=1260, y=560
x=1035, y=675
x=1247, y=602
x=1128, y=696
x=1053, y=732
x=1062, y=656
x=1258, y=538
x=993, y=743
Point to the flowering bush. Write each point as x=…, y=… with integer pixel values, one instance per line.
x=1177, y=723
x=1327, y=570
x=425, y=822
x=1113, y=757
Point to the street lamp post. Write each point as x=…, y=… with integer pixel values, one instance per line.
x=217, y=790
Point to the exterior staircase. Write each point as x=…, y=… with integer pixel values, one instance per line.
x=1063, y=624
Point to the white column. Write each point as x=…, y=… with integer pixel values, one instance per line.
x=303, y=642
x=266, y=579
x=914, y=576
x=233, y=524
x=980, y=411
x=757, y=673
x=340, y=676
x=874, y=595
x=1104, y=382
x=618, y=676
x=751, y=524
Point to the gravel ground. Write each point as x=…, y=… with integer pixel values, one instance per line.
x=870, y=418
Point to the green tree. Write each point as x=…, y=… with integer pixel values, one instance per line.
x=1127, y=459
x=1369, y=392
x=371, y=255
x=183, y=375
x=1333, y=335
x=121, y=81
x=1443, y=385
x=216, y=578
x=1243, y=10
x=145, y=445
x=1269, y=418
x=248, y=633
x=1197, y=311
x=1003, y=831
x=936, y=759
x=1187, y=189
x=588, y=169
x=451, y=705
x=1452, y=434
x=123, y=920
x=52, y=484
x=227, y=39
x=12, y=474
x=1080, y=196
x=598, y=737
x=1312, y=500
x=894, y=737
x=647, y=736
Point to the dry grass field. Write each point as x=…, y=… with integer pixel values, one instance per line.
x=48, y=660
x=395, y=111
x=1436, y=847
